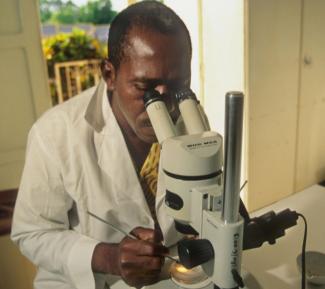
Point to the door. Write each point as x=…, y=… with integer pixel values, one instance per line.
x=310, y=165
x=23, y=81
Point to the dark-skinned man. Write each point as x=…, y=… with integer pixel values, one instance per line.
x=98, y=153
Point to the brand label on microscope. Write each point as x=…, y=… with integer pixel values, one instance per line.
x=234, y=252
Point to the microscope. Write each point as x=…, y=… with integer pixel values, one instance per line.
x=203, y=188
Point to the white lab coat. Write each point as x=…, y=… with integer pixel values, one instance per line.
x=76, y=161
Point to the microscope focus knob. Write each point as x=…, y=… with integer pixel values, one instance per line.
x=194, y=252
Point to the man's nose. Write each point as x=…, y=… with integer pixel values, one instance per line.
x=162, y=88
x=168, y=98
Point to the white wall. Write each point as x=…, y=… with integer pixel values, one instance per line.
x=119, y=5
x=188, y=11
x=223, y=43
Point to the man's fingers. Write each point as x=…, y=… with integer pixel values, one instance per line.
x=149, y=235
x=141, y=263
x=151, y=249
x=141, y=270
x=144, y=234
x=141, y=260
x=145, y=248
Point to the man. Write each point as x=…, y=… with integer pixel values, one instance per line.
x=88, y=155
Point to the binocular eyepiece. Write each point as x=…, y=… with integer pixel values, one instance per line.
x=190, y=109
x=180, y=95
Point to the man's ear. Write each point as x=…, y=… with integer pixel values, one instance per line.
x=109, y=74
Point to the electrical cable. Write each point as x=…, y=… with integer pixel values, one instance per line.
x=303, y=254
x=242, y=208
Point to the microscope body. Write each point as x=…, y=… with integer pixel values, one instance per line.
x=194, y=176
x=193, y=172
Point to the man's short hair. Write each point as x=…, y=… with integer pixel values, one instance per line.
x=147, y=14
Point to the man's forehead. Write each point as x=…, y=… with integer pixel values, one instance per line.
x=140, y=46
x=144, y=41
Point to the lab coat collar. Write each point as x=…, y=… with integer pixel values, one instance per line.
x=94, y=113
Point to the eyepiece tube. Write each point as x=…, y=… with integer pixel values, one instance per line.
x=159, y=116
x=190, y=111
x=232, y=163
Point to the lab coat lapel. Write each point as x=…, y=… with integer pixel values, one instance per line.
x=119, y=167
x=113, y=156
x=114, y=159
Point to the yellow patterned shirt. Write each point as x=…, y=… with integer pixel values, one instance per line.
x=148, y=177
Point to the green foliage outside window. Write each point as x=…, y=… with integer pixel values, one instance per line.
x=73, y=46
x=94, y=11
x=69, y=47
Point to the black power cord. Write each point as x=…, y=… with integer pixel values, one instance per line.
x=303, y=254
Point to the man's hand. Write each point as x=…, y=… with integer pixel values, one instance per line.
x=137, y=261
